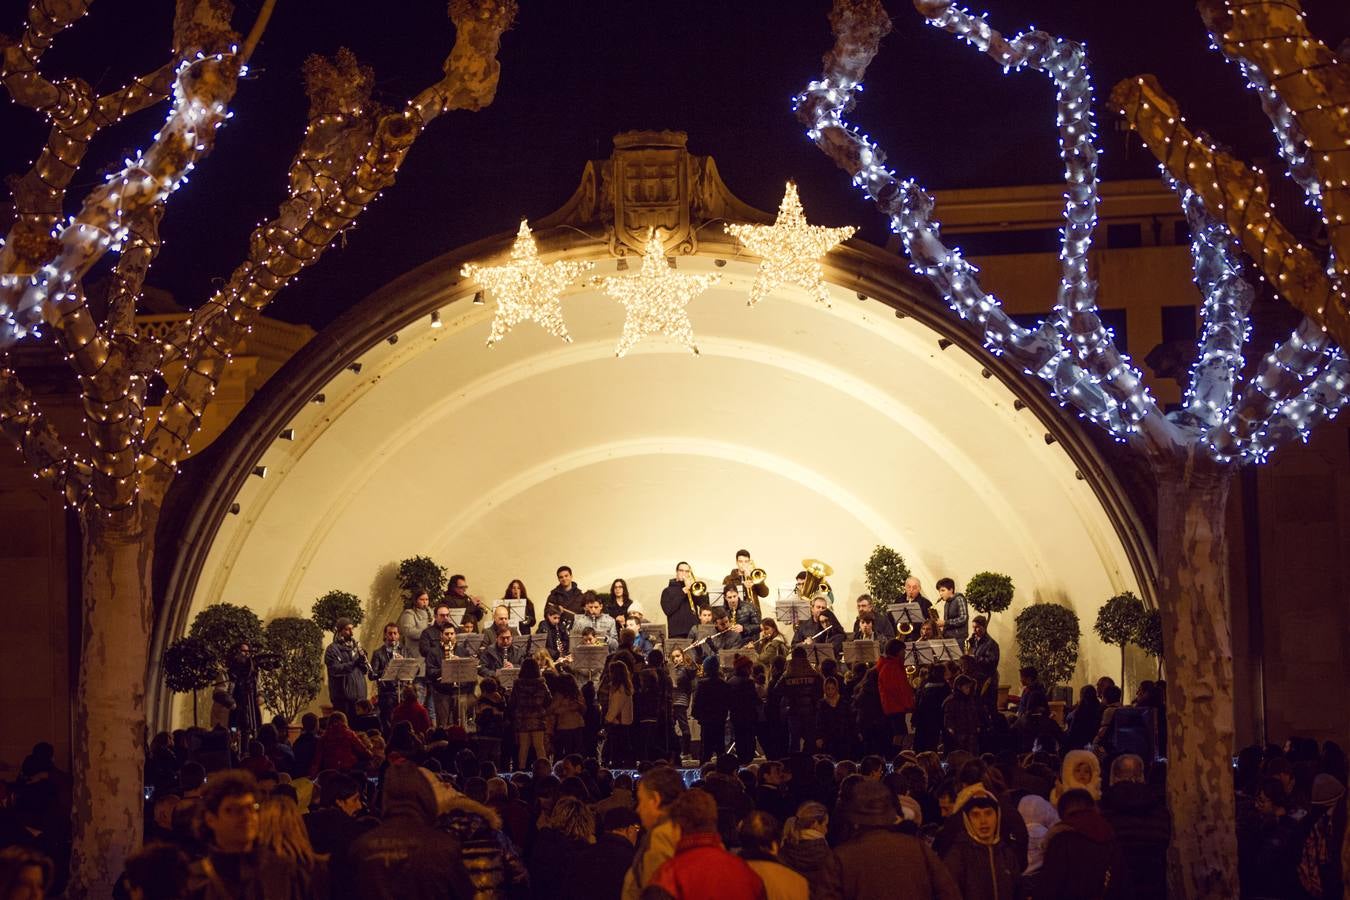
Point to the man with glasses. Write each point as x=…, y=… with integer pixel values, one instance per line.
x=678, y=602
x=430, y=646
x=235, y=865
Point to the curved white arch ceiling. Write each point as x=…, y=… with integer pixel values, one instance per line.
x=800, y=431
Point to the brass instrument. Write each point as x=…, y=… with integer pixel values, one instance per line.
x=696, y=590
x=757, y=576
x=905, y=629
x=816, y=573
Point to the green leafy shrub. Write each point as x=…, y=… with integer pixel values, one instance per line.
x=336, y=605
x=224, y=625
x=421, y=573
x=289, y=686
x=989, y=592
x=1047, y=638
x=886, y=572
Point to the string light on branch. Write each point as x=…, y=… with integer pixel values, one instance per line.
x=790, y=249
x=526, y=288
x=656, y=298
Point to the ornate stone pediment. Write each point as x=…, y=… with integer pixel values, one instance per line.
x=652, y=181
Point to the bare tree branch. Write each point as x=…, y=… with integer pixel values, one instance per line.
x=47, y=455
x=128, y=277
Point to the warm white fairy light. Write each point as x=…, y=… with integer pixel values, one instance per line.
x=790, y=249
x=526, y=288
x=656, y=298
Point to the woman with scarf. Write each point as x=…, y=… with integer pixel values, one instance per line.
x=981, y=862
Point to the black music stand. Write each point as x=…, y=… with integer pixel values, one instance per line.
x=790, y=613
x=902, y=613
x=817, y=652
x=530, y=644
x=589, y=657
x=654, y=632
x=860, y=650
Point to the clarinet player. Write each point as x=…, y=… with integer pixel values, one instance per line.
x=347, y=669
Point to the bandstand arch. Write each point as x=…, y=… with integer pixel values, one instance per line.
x=800, y=430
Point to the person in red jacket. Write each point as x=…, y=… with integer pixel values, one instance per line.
x=339, y=748
x=897, y=695
x=412, y=712
x=701, y=866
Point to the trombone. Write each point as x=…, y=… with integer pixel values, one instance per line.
x=695, y=590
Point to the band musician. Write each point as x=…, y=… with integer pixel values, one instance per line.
x=751, y=593
x=678, y=602
x=822, y=627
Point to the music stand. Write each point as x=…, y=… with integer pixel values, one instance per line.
x=459, y=670
x=947, y=650
x=468, y=644
x=654, y=632
x=860, y=651
x=727, y=657
x=531, y=644
x=925, y=652
x=405, y=669
x=702, y=631
x=515, y=612
x=791, y=612
x=817, y=653
x=506, y=676
x=905, y=612
x=589, y=657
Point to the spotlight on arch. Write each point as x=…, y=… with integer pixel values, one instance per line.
x=287, y=434
x=944, y=343
x=1049, y=439
x=435, y=318
x=355, y=368
x=392, y=339
x=260, y=471
x=234, y=509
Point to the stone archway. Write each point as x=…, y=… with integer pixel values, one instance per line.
x=800, y=431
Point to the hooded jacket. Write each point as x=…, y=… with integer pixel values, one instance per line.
x=1082, y=861
x=702, y=868
x=406, y=857
x=1039, y=817
x=1138, y=815
x=817, y=863
x=491, y=860
x=897, y=695
x=983, y=871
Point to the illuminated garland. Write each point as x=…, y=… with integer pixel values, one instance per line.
x=655, y=298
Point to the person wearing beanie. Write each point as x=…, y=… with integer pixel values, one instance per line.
x=880, y=857
x=1082, y=856
x=982, y=864
x=701, y=866
x=406, y=856
x=711, y=707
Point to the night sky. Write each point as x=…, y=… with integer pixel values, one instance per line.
x=575, y=73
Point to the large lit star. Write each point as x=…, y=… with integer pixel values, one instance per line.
x=789, y=249
x=526, y=288
x=656, y=298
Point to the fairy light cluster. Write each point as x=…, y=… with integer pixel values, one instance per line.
x=790, y=249
x=1299, y=383
x=526, y=288
x=655, y=298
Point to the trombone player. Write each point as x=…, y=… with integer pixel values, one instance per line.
x=750, y=578
x=681, y=600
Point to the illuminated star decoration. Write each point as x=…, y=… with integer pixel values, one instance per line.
x=789, y=249
x=526, y=288
x=656, y=298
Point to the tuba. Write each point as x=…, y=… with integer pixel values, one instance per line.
x=816, y=573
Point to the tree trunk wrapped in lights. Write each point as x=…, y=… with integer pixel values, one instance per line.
x=1194, y=451
x=116, y=477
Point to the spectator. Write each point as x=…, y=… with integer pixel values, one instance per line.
x=1040, y=816
x=569, y=828
x=1080, y=769
x=743, y=708
x=1138, y=814
x=236, y=864
x=155, y=872
x=1082, y=858
x=1085, y=719
x=659, y=787
x=24, y=874
x=710, y=709
x=411, y=710
x=759, y=833
x=597, y=872
x=339, y=748
x=981, y=863
x=405, y=857
x=962, y=717
x=340, y=818
x=870, y=808
x=701, y=867
x=527, y=709
x=807, y=852
x=282, y=831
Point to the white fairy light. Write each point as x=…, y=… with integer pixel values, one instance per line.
x=527, y=289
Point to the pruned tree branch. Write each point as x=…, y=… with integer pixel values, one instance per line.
x=47, y=455
x=352, y=150
x=1239, y=195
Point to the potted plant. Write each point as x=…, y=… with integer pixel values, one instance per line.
x=1149, y=637
x=223, y=626
x=336, y=605
x=292, y=684
x=989, y=592
x=1047, y=637
x=1118, y=623
x=190, y=665
x=421, y=573
x=885, y=573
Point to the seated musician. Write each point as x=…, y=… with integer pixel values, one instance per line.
x=500, y=654
x=865, y=628
x=882, y=626
x=556, y=635
x=744, y=617
x=723, y=638
x=594, y=617
x=822, y=626
x=705, y=617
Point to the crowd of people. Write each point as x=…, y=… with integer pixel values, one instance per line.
x=742, y=766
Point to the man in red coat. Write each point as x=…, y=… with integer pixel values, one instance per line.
x=701, y=866
x=897, y=695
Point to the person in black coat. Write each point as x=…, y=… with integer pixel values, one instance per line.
x=743, y=708
x=680, y=607
x=596, y=873
x=1138, y=814
x=347, y=668
x=1085, y=720
x=710, y=708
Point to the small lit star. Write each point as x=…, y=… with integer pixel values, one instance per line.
x=789, y=249
x=526, y=288
x=656, y=298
